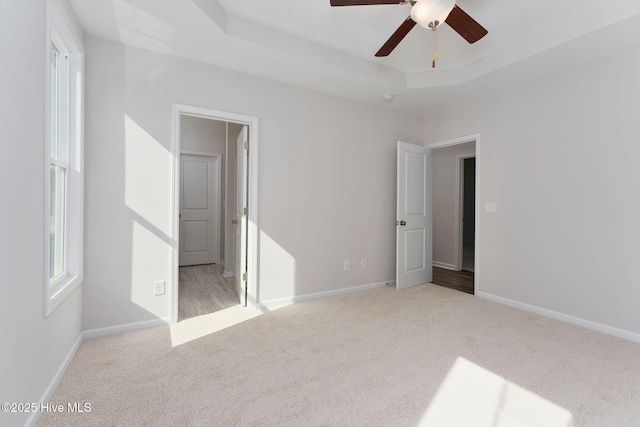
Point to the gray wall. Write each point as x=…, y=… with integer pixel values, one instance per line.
x=203, y=135
x=559, y=158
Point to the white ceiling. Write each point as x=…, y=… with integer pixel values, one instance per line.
x=331, y=49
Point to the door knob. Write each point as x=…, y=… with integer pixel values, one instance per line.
x=403, y=222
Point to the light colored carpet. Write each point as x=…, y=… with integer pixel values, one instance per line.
x=422, y=356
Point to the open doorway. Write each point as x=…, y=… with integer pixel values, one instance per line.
x=454, y=214
x=206, y=282
x=215, y=211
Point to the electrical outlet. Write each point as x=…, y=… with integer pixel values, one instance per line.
x=491, y=208
x=347, y=266
x=363, y=263
x=158, y=288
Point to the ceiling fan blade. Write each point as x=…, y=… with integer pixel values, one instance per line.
x=396, y=37
x=363, y=2
x=465, y=25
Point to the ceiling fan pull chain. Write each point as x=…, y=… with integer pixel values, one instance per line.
x=435, y=48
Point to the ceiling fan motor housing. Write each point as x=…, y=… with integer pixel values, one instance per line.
x=431, y=13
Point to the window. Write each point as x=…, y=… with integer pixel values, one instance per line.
x=58, y=166
x=64, y=159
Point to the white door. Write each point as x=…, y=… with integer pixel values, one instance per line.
x=199, y=210
x=241, y=215
x=413, y=220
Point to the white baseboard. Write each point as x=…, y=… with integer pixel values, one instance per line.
x=610, y=330
x=292, y=300
x=227, y=274
x=444, y=265
x=51, y=388
x=111, y=330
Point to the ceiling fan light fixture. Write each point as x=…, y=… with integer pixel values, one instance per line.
x=431, y=13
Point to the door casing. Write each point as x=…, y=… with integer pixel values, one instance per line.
x=179, y=110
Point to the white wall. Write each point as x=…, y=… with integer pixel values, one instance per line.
x=206, y=136
x=33, y=347
x=326, y=180
x=559, y=157
x=445, y=180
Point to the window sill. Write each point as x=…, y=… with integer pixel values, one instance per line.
x=57, y=293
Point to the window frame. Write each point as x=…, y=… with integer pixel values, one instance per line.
x=63, y=34
x=61, y=159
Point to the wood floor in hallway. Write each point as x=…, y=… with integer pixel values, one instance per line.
x=458, y=280
x=203, y=289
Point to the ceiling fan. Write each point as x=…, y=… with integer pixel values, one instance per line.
x=428, y=14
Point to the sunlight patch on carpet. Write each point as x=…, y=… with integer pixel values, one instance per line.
x=201, y=326
x=473, y=396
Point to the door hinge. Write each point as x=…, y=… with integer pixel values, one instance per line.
x=246, y=145
x=246, y=211
x=245, y=277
